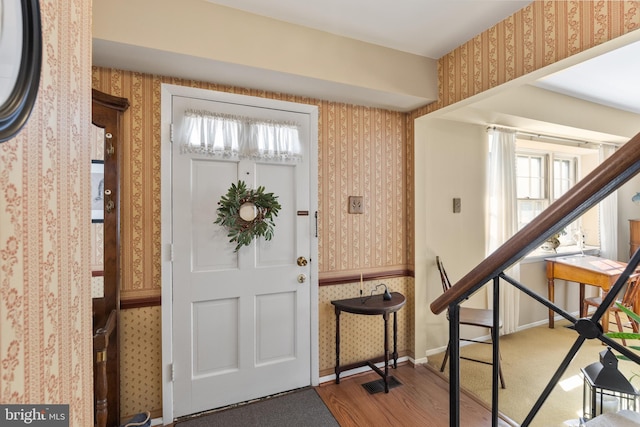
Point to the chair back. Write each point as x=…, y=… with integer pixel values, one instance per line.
x=446, y=284
x=630, y=293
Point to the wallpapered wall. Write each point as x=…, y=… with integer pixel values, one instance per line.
x=45, y=302
x=540, y=34
x=362, y=151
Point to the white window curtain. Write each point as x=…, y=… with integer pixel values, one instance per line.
x=502, y=217
x=608, y=215
x=226, y=136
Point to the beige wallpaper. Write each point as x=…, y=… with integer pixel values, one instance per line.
x=45, y=241
x=362, y=152
x=141, y=362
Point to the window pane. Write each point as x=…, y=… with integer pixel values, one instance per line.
x=530, y=177
x=522, y=166
x=535, y=164
x=562, y=176
x=537, y=188
x=523, y=187
x=529, y=209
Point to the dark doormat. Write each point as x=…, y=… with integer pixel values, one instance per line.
x=378, y=386
x=302, y=407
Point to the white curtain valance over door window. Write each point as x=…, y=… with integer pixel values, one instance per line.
x=222, y=135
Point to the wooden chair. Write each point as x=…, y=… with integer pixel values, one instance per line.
x=470, y=316
x=628, y=301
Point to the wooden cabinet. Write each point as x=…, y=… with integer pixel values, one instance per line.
x=107, y=111
x=634, y=235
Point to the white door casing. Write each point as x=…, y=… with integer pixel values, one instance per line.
x=236, y=326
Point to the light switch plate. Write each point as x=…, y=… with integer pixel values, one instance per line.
x=457, y=205
x=356, y=205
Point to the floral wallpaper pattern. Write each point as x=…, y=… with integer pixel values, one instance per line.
x=45, y=276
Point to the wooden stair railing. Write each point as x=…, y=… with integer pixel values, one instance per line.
x=602, y=181
x=100, y=346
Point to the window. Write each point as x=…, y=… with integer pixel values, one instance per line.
x=545, y=171
x=542, y=178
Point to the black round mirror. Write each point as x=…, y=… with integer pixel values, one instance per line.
x=20, y=62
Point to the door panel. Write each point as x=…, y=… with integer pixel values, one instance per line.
x=215, y=350
x=281, y=181
x=275, y=328
x=207, y=238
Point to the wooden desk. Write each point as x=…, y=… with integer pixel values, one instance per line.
x=583, y=269
x=373, y=305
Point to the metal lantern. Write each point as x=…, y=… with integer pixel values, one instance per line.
x=606, y=389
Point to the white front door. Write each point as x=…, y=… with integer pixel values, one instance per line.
x=241, y=321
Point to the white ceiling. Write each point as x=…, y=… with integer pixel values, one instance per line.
x=428, y=28
x=611, y=79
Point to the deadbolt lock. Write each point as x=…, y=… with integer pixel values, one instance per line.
x=302, y=261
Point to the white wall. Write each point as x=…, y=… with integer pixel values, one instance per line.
x=449, y=162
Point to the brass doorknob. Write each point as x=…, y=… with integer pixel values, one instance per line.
x=302, y=261
x=301, y=278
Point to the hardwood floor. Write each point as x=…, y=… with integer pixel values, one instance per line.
x=421, y=400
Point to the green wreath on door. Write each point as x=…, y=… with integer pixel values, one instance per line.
x=247, y=214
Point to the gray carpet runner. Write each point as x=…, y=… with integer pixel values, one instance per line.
x=295, y=409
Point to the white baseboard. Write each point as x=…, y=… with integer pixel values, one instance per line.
x=421, y=361
x=556, y=318
x=433, y=351
x=545, y=321
x=463, y=343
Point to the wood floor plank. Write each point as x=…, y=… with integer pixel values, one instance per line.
x=421, y=400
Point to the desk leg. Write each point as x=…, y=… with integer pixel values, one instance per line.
x=395, y=340
x=581, y=309
x=551, y=295
x=337, y=370
x=636, y=307
x=385, y=316
x=604, y=320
